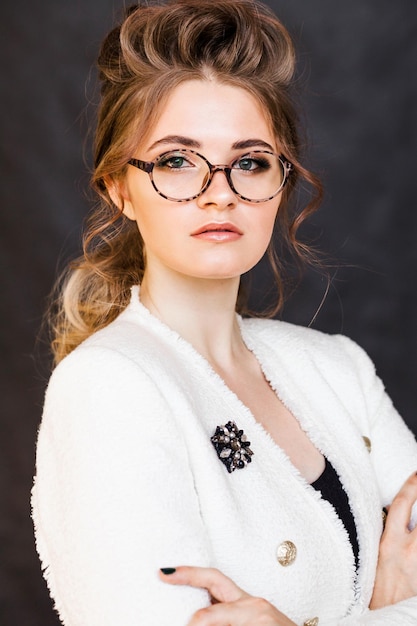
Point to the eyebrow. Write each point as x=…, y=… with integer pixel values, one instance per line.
x=192, y=143
x=178, y=139
x=252, y=143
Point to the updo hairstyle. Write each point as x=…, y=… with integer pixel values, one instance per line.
x=156, y=48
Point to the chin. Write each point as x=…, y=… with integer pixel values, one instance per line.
x=223, y=273
x=217, y=268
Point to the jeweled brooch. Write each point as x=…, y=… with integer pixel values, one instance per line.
x=232, y=446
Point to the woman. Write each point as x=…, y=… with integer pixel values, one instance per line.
x=176, y=433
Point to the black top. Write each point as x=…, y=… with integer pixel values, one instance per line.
x=332, y=490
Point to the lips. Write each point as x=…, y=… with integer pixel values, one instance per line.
x=219, y=227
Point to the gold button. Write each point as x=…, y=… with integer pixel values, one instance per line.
x=367, y=443
x=311, y=622
x=286, y=553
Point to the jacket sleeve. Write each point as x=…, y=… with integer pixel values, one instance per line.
x=114, y=499
x=394, y=458
x=400, y=614
x=393, y=445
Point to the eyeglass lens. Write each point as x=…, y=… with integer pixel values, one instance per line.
x=182, y=174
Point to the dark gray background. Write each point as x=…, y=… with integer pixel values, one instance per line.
x=358, y=85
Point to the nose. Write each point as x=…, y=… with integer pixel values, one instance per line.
x=218, y=194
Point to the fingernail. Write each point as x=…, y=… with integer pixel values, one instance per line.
x=168, y=570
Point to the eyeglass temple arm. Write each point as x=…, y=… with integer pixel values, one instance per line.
x=288, y=168
x=145, y=166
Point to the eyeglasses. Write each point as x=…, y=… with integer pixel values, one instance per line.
x=182, y=175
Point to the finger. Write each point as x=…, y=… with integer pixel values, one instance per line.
x=224, y=614
x=246, y=612
x=399, y=513
x=217, y=584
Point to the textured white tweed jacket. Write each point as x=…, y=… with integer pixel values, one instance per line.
x=128, y=480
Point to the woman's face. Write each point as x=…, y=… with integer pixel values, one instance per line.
x=217, y=235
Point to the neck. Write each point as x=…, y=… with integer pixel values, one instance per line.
x=202, y=311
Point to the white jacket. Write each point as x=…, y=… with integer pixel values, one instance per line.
x=128, y=480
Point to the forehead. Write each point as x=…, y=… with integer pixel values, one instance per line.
x=211, y=112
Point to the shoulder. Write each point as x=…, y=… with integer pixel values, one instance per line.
x=326, y=366
x=107, y=367
x=99, y=394
x=124, y=347
x=330, y=352
x=92, y=373
x=135, y=364
x=292, y=335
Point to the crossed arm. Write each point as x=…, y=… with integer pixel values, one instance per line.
x=395, y=581
x=94, y=537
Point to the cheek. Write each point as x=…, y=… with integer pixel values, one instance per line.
x=140, y=204
x=267, y=218
x=262, y=231
x=159, y=225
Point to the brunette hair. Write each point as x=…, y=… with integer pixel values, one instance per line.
x=156, y=48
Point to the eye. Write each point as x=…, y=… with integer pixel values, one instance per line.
x=174, y=161
x=252, y=163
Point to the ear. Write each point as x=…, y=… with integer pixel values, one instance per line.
x=120, y=197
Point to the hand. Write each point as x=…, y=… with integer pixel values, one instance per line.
x=396, y=574
x=231, y=606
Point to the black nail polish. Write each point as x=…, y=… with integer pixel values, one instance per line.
x=168, y=570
